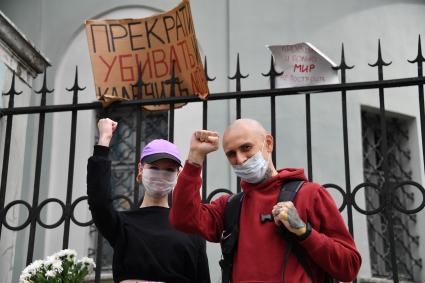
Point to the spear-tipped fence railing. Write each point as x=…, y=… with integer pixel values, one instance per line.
x=387, y=207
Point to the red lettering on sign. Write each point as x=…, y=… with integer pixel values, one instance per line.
x=158, y=61
x=146, y=65
x=304, y=68
x=108, y=66
x=181, y=45
x=124, y=68
x=175, y=58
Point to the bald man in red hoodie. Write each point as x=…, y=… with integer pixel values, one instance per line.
x=312, y=217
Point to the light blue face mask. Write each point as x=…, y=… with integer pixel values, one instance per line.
x=253, y=169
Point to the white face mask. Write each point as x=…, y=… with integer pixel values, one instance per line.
x=253, y=169
x=158, y=183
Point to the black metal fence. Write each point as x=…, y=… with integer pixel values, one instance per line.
x=386, y=205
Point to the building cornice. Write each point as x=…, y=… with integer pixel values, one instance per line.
x=18, y=52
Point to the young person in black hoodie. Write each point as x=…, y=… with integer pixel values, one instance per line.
x=146, y=247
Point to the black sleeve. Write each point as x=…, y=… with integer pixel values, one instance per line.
x=203, y=271
x=99, y=193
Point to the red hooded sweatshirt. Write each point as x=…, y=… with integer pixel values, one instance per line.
x=260, y=252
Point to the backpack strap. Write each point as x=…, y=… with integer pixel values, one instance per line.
x=230, y=235
x=287, y=193
x=289, y=190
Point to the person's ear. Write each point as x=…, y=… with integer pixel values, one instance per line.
x=139, y=173
x=269, y=143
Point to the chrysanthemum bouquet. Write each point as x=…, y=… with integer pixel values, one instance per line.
x=61, y=267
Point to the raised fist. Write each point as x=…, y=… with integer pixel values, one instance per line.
x=202, y=142
x=106, y=130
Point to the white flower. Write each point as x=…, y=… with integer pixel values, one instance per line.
x=33, y=267
x=53, y=267
x=50, y=273
x=24, y=278
x=30, y=270
x=88, y=262
x=57, y=265
x=49, y=261
x=67, y=253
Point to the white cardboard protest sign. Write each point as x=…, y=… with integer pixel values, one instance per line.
x=302, y=64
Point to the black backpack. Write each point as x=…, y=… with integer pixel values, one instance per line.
x=230, y=235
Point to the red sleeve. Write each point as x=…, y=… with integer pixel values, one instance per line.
x=188, y=214
x=330, y=245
